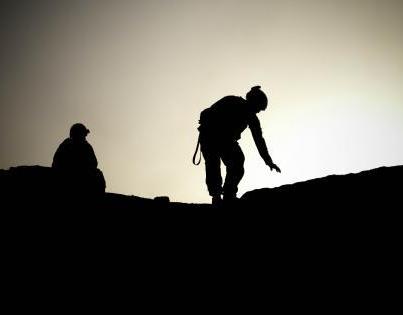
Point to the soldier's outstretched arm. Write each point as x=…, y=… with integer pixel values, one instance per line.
x=257, y=135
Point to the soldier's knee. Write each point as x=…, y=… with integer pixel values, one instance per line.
x=240, y=170
x=236, y=168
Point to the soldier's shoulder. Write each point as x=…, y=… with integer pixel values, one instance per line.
x=253, y=120
x=233, y=99
x=229, y=100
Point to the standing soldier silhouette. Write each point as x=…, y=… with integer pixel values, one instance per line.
x=220, y=129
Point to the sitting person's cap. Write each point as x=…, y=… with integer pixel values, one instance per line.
x=78, y=129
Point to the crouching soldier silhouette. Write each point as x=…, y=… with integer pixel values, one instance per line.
x=76, y=164
x=220, y=129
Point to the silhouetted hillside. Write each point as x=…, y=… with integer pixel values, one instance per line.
x=332, y=221
x=379, y=187
x=41, y=188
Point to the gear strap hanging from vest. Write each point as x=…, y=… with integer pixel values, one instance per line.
x=195, y=154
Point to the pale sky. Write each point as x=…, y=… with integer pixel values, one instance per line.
x=138, y=74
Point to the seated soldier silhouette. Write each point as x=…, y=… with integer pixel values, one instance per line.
x=220, y=129
x=77, y=164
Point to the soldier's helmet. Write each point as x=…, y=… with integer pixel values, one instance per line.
x=257, y=97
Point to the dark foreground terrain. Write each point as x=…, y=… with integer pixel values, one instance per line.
x=38, y=187
x=360, y=200
x=333, y=240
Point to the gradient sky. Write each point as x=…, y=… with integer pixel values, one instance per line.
x=138, y=73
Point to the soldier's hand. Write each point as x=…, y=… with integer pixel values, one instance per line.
x=275, y=167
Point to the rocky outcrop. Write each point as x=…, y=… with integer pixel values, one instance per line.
x=380, y=188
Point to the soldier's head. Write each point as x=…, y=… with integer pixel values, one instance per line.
x=78, y=132
x=256, y=99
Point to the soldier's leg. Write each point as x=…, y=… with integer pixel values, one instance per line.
x=233, y=159
x=213, y=170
